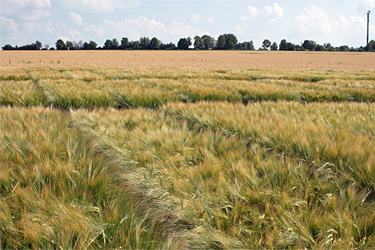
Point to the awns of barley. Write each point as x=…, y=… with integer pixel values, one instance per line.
x=13, y=74
x=331, y=144
x=125, y=152
x=76, y=94
x=221, y=185
x=205, y=175
x=21, y=93
x=55, y=193
x=47, y=73
x=94, y=88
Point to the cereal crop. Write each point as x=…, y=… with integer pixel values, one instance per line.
x=183, y=150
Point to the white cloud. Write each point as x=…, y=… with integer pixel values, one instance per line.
x=97, y=5
x=253, y=12
x=315, y=19
x=142, y=26
x=276, y=12
x=369, y=3
x=8, y=26
x=76, y=18
x=95, y=30
x=240, y=29
x=70, y=35
x=29, y=3
x=179, y=30
x=317, y=23
x=272, y=13
x=37, y=14
x=26, y=9
x=211, y=20
x=196, y=18
x=102, y=5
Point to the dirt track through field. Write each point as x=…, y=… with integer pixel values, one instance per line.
x=190, y=59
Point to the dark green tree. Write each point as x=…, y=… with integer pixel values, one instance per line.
x=108, y=44
x=319, y=47
x=85, y=46
x=226, y=41
x=290, y=46
x=208, y=41
x=231, y=41
x=8, y=47
x=134, y=45
x=155, y=43
x=144, y=42
x=245, y=46
x=89, y=46
x=115, y=44
x=328, y=46
x=124, y=43
x=221, y=42
x=38, y=45
x=230, y=45
x=274, y=46
x=69, y=45
x=370, y=46
x=168, y=46
x=283, y=45
x=92, y=45
x=309, y=45
x=198, y=43
x=346, y=48
x=184, y=43
x=60, y=45
x=266, y=44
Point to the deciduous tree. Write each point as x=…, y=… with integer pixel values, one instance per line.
x=184, y=43
x=155, y=43
x=38, y=45
x=198, y=43
x=69, y=45
x=266, y=44
x=108, y=44
x=274, y=46
x=309, y=44
x=226, y=41
x=208, y=41
x=124, y=43
x=60, y=45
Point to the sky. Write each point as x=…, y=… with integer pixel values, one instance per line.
x=339, y=22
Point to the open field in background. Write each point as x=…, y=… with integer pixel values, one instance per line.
x=187, y=150
x=190, y=59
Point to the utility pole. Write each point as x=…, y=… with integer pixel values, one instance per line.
x=368, y=26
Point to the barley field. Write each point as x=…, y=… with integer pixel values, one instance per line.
x=182, y=150
x=190, y=59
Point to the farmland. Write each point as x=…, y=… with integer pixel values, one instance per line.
x=190, y=59
x=187, y=150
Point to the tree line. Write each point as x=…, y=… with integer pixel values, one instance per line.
x=206, y=42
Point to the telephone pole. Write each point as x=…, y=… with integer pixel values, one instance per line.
x=368, y=26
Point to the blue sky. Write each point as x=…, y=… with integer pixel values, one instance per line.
x=336, y=21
